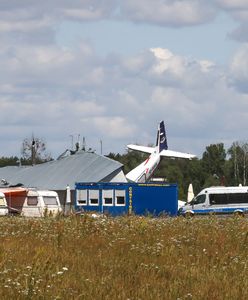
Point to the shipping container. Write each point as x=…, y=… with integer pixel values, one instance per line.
x=127, y=198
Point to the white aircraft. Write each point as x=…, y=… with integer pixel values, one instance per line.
x=144, y=171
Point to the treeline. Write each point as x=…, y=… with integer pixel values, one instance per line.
x=217, y=166
x=16, y=161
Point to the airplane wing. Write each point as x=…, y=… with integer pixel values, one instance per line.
x=170, y=153
x=141, y=148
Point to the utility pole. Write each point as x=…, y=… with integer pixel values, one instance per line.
x=101, y=146
x=72, y=144
x=33, y=151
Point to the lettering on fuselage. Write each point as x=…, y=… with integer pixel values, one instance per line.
x=150, y=171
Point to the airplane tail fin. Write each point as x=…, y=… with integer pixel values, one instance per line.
x=161, y=137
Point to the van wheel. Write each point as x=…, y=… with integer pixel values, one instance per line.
x=188, y=214
x=238, y=213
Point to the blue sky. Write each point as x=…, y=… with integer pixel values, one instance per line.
x=111, y=70
x=205, y=41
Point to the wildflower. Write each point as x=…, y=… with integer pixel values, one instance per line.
x=59, y=273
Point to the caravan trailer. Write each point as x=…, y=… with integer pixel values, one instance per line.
x=3, y=205
x=218, y=200
x=32, y=202
x=40, y=203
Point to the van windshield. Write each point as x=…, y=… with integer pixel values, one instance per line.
x=198, y=199
x=48, y=200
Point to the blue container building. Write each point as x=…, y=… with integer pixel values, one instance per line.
x=127, y=198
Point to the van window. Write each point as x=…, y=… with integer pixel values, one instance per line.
x=50, y=200
x=199, y=199
x=2, y=202
x=238, y=198
x=32, y=201
x=218, y=199
x=230, y=198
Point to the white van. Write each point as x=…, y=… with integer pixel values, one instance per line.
x=218, y=200
x=3, y=205
x=41, y=203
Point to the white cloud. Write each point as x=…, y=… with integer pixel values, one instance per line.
x=58, y=91
x=239, y=69
x=45, y=16
x=114, y=127
x=55, y=91
x=166, y=61
x=167, y=12
x=230, y=4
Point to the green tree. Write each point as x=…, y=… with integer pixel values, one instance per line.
x=9, y=161
x=238, y=166
x=213, y=160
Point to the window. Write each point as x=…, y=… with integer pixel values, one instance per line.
x=2, y=202
x=218, y=199
x=120, y=198
x=107, y=196
x=198, y=199
x=82, y=197
x=50, y=200
x=32, y=201
x=231, y=198
x=238, y=198
x=94, y=197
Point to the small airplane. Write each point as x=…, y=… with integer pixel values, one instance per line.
x=143, y=172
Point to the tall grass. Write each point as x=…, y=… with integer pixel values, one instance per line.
x=124, y=258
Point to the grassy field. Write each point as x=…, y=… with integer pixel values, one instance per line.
x=124, y=258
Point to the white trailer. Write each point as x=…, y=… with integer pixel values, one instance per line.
x=32, y=202
x=3, y=205
x=40, y=203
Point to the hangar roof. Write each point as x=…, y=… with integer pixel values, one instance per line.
x=56, y=175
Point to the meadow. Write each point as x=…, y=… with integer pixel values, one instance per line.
x=79, y=257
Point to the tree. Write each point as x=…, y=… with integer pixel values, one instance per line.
x=239, y=162
x=213, y=159
x=9, y=161
x=34, y=151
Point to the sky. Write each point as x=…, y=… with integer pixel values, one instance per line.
x=110, y=70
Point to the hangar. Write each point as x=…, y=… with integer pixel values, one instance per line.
x=82, y=166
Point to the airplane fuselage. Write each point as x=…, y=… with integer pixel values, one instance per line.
x=144, y=171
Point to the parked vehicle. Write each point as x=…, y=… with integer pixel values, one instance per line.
x=218, y=200
x=32, y=202
x=3, y=205
x=40, y=203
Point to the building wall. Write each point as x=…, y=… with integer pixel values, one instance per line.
x=142, y=199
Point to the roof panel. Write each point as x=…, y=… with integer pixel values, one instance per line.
x=80, y=167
